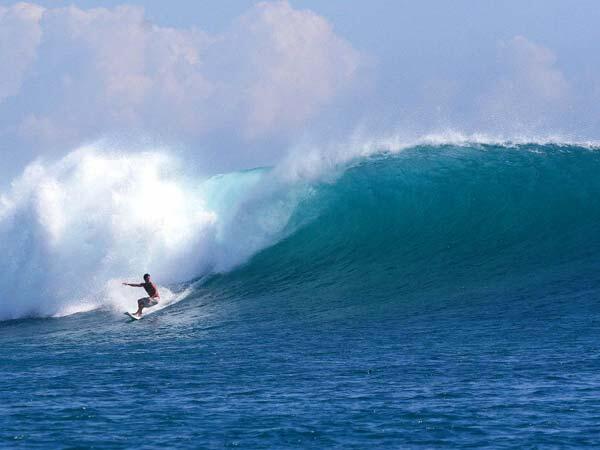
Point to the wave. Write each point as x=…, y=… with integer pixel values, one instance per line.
x=382, y=222
x=70, y=229
x=439, y=218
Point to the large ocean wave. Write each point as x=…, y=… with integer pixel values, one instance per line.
x=440, y=219
x=441, y=216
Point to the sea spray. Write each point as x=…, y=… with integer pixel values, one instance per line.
x=68, y=227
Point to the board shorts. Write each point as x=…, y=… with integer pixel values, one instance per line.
x=147, y=302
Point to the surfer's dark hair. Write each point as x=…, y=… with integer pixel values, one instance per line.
x=146, y=275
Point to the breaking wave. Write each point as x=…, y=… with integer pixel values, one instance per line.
x=435, y=216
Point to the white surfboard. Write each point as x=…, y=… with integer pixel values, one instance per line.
x=132, y=316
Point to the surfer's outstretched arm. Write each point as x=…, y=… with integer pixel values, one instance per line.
x=133, y=284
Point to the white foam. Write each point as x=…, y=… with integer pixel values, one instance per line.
x=119, y=298
x=70, y=227
x=310, y=162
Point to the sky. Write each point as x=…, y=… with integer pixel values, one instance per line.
x=231, y=84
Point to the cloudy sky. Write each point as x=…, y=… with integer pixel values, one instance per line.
x=237, y=83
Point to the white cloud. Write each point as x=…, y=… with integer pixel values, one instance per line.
x=530, y=90
x=104, y=70
x=20, y=35
x=295, y=62
x=131, y=73
x=534, y=69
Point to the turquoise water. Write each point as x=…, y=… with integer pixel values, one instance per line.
x=440, y=297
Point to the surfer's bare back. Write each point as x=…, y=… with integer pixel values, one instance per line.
x=153, y=295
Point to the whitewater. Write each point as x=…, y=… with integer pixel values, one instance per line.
x=72, y=228
x=429, y=293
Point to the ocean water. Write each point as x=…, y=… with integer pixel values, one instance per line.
x=439, y=296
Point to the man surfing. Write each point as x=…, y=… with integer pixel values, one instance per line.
x=146, y=302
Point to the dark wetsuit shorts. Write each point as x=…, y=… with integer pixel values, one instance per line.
x=147, y=302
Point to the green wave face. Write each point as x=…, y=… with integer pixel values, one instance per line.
x=438, y=219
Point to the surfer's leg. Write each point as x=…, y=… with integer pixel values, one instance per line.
x=140, y=307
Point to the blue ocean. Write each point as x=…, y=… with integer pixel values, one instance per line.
x=441, y=296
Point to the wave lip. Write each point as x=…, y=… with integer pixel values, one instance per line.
x=314, y=163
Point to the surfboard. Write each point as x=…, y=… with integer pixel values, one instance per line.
x=132, y=316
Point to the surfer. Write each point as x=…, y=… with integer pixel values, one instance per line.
x=153, y=295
